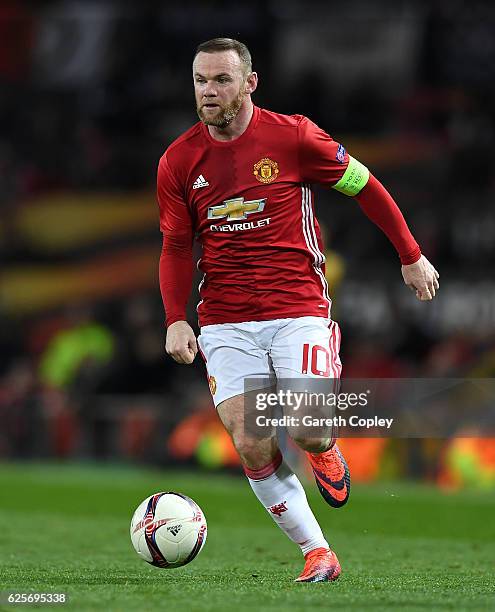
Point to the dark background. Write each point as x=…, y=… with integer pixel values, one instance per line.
x=91, y=93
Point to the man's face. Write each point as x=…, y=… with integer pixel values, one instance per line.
x=219, y=87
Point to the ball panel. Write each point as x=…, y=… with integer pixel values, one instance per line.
x=141, y=547
x=200, y=542
x=158, y=558
x=139, y=514
x=172, y=506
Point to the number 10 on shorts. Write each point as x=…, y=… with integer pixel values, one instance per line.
x=317, y=358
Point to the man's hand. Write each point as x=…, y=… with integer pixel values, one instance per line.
x=422, y=278
x=181, y=342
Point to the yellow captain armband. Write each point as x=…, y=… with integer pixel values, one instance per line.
x=354, y=179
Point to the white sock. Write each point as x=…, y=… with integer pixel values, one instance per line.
x=283, y=496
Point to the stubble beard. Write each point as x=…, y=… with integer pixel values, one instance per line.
x=225, y=115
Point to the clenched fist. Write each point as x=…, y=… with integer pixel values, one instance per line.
x=422, y=278
x=181, y=342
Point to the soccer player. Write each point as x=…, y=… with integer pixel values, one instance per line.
x=240, y=181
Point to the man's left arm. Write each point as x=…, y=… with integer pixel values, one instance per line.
x=379, y=206
x=323, y=160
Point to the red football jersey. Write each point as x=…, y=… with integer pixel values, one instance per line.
x=250, y=204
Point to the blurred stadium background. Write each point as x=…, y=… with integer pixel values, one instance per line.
x=91, y=93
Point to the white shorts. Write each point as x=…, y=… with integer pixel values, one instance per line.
x=277, y=349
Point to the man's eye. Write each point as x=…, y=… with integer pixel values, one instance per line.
x=223, y=80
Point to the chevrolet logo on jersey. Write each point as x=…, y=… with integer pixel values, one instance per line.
x=236, y=209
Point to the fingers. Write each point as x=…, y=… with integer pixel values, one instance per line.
x=193, y=346
x=181, y=342
x=191, y=352
x=424, y=292
x=177, y=355
x=424, y=295
x=181, y=351
x=189, y=356
x=434, y=285
x=431, y=287
x=183, y=355
x=422, y=278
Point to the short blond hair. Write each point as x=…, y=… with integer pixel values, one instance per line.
x=216, y=45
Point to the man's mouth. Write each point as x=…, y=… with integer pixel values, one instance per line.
x=211, y=105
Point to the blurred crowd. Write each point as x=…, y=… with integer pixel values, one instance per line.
x=92, y=92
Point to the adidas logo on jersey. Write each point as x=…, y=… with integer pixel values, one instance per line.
x=200, y=182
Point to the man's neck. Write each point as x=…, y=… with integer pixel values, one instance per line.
x=236, y=127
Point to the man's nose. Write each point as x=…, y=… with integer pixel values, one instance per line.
x=210, y=89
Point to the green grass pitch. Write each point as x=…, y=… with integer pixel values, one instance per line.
x=407, y=547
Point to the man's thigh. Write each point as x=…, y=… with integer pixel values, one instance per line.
x=231, y=355
x=305, y=358
x=307, y=347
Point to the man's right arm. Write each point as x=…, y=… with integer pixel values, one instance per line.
x=176, y=264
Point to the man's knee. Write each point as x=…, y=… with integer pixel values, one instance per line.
x=313, y=445
x=254, y=453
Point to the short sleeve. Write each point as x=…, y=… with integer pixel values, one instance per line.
x=324, y=161
x=174, y=213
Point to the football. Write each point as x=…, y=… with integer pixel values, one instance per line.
x=168, y=530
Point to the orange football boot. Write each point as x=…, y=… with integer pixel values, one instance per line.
x=332, y=476
x=321, y=565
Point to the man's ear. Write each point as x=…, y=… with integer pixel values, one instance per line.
x=251, y=83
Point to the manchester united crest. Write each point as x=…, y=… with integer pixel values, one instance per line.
x=266, y=170
x=213, y=384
